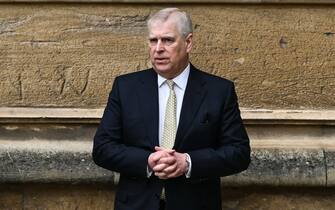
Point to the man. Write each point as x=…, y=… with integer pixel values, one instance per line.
x=171, y=131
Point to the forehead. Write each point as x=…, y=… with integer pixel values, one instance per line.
x=167, y=28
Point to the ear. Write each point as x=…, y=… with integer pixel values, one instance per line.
x=189, y=42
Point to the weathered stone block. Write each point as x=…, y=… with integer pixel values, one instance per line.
x=67, y=55
x=277, y=198
x=56, y=196
x=50, y=166
x=101, y=197
x=275, y=167
x=11, y=197
x=284, y=167
x=69, y=197
x=330, y=161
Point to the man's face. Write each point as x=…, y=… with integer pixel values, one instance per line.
x=168, y=49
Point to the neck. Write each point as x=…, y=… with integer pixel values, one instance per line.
x=172, y=75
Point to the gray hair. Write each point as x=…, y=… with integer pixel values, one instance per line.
x=182, y=19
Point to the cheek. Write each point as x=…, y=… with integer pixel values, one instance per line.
x=175, y=52
x=178, y=53
x=151, y=52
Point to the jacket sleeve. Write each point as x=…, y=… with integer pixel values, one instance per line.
x=232, y=153
x=109, y=150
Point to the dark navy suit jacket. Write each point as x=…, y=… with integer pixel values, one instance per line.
x=210, y=130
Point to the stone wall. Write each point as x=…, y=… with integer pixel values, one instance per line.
x=99, y=197
x=58, y=61
x=45, y=161
x=67, y=55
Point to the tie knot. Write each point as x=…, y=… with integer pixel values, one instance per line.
x=170, y=83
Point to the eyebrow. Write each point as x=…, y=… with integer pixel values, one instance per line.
x=162, y=37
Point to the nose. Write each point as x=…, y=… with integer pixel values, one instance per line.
x=159, y=46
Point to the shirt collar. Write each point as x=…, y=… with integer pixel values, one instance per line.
x=180, y=80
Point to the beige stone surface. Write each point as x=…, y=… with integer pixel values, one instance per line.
x=293, y=148
x=249, y=198
x=67, y=55
x=11, y=197
x=251, y=116
x=330, y=154
x=282, y=167
x=65, y=197
x=189, y=1
x=98, y=197
x=56, y=197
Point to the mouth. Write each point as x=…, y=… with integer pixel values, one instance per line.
x=161, y=60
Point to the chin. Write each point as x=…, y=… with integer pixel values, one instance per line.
x=162, y=68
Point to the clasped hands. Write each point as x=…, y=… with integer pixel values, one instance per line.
x=167, y=163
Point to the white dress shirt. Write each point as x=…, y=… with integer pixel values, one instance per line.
x=163, y=95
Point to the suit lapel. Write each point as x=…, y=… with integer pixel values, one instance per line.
x=194, y=94
x=148, y=98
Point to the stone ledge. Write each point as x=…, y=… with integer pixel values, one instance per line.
x=54, y=145
x=285, y=116
x=47, y=166
x=284, y=167
x=181, y=1
x=47, y=115
x=273, y=167
x=79, y=115
x=97, y=196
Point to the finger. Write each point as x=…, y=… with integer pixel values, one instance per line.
x=170, y=169
x=159, y=148
x=170, y=151
x=174, y=174
x=158, y=155
x=163, y=178
x=161, y=175
x=152, y=160
x=155, y=158
x=159, y=167
x=167, y=160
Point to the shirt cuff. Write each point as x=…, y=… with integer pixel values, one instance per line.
x=189, y=166
x=149, y=172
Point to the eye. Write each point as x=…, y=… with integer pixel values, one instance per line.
x=168, y=40
x=153, y=41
